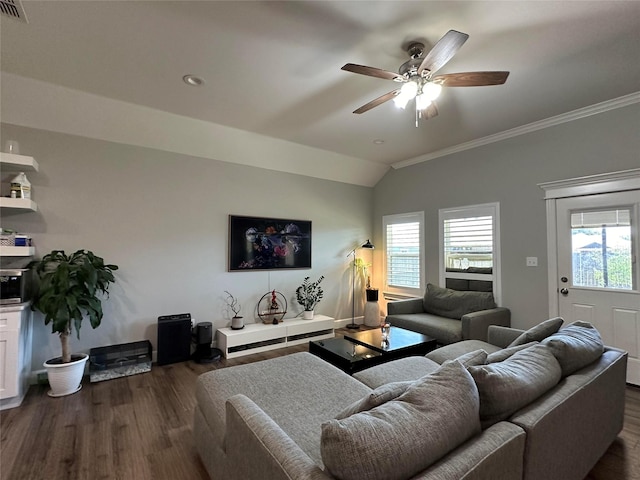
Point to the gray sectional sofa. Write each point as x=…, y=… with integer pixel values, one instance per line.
x=449, y=315
x=459, y=413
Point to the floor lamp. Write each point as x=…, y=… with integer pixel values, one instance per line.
x=353, y=323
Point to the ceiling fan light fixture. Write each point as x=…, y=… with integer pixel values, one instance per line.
x=431, y=90
x=422, y=101
x=408, y=91
x=401, y=101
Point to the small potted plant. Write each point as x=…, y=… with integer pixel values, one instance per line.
x=309, y=295
x=234, y=305
x=71, y=287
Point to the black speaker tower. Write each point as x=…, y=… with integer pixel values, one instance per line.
x=174, y=338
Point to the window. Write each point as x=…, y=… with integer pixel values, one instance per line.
x=404, y=253
x=470, y=248
x=601, y=249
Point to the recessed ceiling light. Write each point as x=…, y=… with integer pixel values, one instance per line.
x=378, y=141
x=193, y=80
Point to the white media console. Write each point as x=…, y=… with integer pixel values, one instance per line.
x=260, y=337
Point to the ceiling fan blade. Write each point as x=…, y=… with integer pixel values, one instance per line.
x=471, y=79
x=372, y=72
x=443, y=51
x=429, y=112
x=378, y=101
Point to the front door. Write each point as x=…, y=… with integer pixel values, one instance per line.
x=598, y=274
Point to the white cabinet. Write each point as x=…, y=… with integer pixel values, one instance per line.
x=15, y=354
x=260, y=337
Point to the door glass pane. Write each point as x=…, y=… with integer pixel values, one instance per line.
x=602, y=249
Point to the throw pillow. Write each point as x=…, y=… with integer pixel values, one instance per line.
x=454, y=304
x=575, y=346
x=477, y=357
x=507, y=386
x=380, y=395
x=402, y=437
x=502, y=355
x=539, y=332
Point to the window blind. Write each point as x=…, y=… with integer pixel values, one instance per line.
x=468, y=242
x=403, y=255
x=603, y=218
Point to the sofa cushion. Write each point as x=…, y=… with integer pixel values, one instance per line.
x=454, y=304
x=455, y=350
x=401, y=437
x=470, y=359
x=402, y=369
x=539, y=332
x=380, y=395
x=505, y=387
x=575, y=346
x=444, y=330
x=502, y=355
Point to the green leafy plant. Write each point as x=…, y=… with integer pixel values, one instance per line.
x=70, y=288
x=362, y=269
x=309, y=293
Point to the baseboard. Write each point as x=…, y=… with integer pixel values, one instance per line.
x=38, y=377
x=343, y=322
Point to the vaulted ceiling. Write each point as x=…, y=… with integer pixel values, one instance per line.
x=273, y=69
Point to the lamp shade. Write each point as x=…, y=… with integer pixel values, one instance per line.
x=367, y=244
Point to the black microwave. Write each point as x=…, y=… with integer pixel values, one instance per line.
x=15, y=286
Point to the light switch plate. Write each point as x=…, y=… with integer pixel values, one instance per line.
x=532, y=261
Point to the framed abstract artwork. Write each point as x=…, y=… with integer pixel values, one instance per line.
x=257, y=243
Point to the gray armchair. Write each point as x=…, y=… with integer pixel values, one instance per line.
x=448, y=315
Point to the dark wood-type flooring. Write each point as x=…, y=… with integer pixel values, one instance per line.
x=139, y=428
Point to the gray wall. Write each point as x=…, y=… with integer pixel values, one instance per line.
x=508, y=172
x=163, y=218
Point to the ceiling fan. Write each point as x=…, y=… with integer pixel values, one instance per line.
x=418, y=79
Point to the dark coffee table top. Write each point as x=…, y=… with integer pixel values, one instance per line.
x=399, y=339
x=360, y=350
x=345, y=354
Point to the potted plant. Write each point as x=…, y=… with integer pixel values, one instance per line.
x=309, y=295
x=234, y=305
x=71, y=287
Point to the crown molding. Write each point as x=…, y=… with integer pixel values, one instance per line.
x=596, y=109
x=592, y=184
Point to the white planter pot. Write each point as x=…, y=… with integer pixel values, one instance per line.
x=307, y=315
x=65, y=378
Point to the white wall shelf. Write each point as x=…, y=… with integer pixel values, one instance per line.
x=11, y=162
x=260, y=337
x=6, y=251
x=18, y=205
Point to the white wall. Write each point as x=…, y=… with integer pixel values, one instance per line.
x=508, y=172
x=163, y=219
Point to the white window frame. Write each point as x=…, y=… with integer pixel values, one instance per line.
x=486, y=209
x=399, y=292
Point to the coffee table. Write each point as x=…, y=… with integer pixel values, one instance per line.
x=360, y=350
x=347, y=356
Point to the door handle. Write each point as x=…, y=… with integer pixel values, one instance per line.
x=564, y=291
